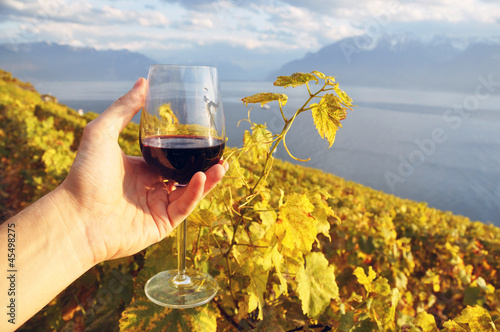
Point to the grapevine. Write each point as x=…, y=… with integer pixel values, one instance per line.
x=292, y=248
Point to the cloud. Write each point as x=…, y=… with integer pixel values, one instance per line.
x=78, y=23
x=79, y=11
x=261, y=26
x=204, y=5
x=486, y=11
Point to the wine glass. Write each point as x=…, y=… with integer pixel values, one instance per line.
x=182, y=132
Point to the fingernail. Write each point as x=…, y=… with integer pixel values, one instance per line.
x=137, y=83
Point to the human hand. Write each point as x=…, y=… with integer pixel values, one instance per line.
x=122, y=205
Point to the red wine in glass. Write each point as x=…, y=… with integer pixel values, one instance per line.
x=179, y=157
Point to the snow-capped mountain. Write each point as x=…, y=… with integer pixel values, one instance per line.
x=438, y=63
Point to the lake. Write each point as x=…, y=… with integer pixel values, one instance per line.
x=438, y=147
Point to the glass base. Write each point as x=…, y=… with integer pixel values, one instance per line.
x=169, y=289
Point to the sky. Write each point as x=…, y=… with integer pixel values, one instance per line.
x=249, y=34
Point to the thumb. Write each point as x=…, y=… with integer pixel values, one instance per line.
x=184, y=200
x=119, y=114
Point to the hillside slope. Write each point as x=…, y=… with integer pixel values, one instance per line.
x=419, y=262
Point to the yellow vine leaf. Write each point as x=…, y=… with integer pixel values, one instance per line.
x=202, y=217
x=327, y=116
x=257, y=143
x=329, y=80
x=252, y=263
x=296, y=223
x=395, y=297
x=266, y=238
x=277, y=261
x=476, y=318
x=365, y=280
x=143, y=315
x=294, y=80
x=322, y=211
x=167, y=114
x=236, y=174
x=346, y=100
x=316, y=285
x=256, y=290
x=265, y=97
x=265, y=210
x=293, y=260
x=452, y=326
x=433, y=279
x=381, y=312
x=318, y=74
x=381, y=286
x=426, y=322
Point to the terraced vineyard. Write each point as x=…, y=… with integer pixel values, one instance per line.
x=292, y=248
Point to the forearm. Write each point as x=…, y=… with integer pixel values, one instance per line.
x=50, y=251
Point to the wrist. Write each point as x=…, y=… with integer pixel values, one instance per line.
x=71, y=221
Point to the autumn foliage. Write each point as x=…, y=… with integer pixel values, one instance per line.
x=292, y=248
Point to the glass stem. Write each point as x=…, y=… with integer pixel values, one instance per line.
x=181, y=276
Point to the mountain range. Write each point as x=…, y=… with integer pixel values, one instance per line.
x=403, y=61
x=53, y=62
x=45, y=61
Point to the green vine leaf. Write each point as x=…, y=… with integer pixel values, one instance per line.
x=316, y=285
x=327, y=116
x=294, y=80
